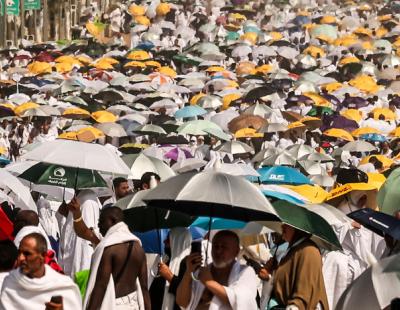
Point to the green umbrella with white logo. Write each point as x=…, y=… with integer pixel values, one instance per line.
x=57, y=175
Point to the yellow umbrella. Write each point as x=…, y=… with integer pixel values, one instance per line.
x=195, y=98
x=64, y=67
x=25, y=106
x=363, y=31
x=3, y=150
x=84, y=59
x=215, y=69
x=380, y=32
x=313, y=193
x=384, y=18
x=135, y=145
x=135, y=63
x=338, y=133
x=328, y=19
x=364, y=131
x=264, y=68
x=142, y=20
x=68, y=59
x=68, y=135
x=387, y=162
x=103, y=65
x=276, y=35
x=136, y=10
x=237, y=16
x=231, y=84
x=250, y=36
x=365, y=83
x=395, y=133
x=348, y=60
x=376, y=179
x=8, y=105
x=314, y=51
x=167, y=71
x=96, y=132
x=152, y=63
x=76, y=113
x=104, y=117
x=95, y=29
x=138, y=55
x=297, y=124
x=331, y=87
x=39, y=67
x=248, y=133
x=110, y=60
x=245, y=68
x=353, y=114
x=318, y=99
x=346, y=40
x=227, y=99
x=349, y=187
x=324, y=38
x=388, y=114
x=163, y=9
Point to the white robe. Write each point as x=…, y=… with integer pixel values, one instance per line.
x=21, y=292
x=119, y=233
x=76, y=253
x=180, y=241
x=27, y=230
x=241, y=290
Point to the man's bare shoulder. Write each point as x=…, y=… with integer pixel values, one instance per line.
x=122, y=247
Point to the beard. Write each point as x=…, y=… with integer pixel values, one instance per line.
x=223, y=264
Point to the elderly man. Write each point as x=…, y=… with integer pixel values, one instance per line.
x=35, y=285
x=224, y=284
x=118, y=276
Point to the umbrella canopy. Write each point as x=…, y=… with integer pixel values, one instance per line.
x=190, y=111
x=135, y=210
x=56, y=175
x=359, y=146
x=188, y=164
x=79, y=155
x=388, y=195
x=150, y=129
x=140, y=164
x=380, y=223
x=112, y=129
x=306, y=220
x=235, y=147
x=216, y=198
x=375, y=288
x=339, y=134
x=282, y=175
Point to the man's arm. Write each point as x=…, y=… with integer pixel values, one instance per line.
x=213, y=286
x=184, y=291
x=80, y=227
x=143, y=276
x=103, y=277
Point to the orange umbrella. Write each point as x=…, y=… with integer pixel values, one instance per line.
x=104, y=117
x=338, y=133
x=76, y=113
x=365, y=131
x=246, y=121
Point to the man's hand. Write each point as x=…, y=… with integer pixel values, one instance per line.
x=53, y=306
x=264, y=274
x=74, y=206
x=193, y=262
x=165, y=272
x=205, y=275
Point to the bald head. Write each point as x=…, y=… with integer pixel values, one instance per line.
x=25, y=218
x=109, y=217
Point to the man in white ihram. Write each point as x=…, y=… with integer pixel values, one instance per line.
x=35, y=285
x=224, y=284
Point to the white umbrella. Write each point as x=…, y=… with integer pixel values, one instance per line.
x=273, y=127
x=312, y=167
x=239, y=169
x=79, y=155
x=19, y=193
x=320, y=157
x=375, y=288
x=300, y=150
x=358, y=146
x=188, y=164
x=259, y=109
x=209, y=102
x=241, y=51
x=112, y=129
x=282, y=159
x=140, y=164
x=263, y=50
x=235, y=147
x=223, y=118
x=265, y=153
x=287, y=52
x=322, y=180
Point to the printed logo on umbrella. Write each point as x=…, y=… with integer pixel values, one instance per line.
x=59, y=172
x=277, y=177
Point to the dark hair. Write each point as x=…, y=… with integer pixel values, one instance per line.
x=146, y=177
x=8, y=255
x=114, y=213
x=117, y=181
x=41, y=244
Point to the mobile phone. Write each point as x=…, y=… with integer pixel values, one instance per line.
x=196, y=247
x=56, y=299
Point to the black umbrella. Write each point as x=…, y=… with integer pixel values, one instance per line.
x=378, y=222
x=259, y=92
x=172, y=140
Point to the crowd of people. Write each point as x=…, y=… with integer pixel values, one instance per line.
x=298, y=98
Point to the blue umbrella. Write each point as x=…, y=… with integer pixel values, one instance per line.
x=282, y=175
x=251, y=29
x=281, y=196
x=301, y=20
x=374, y=137
x=4, y=161
x=217, y=223
x=146, y=45
x=190, y=111
x=378, y=222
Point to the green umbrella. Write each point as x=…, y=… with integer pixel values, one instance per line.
x=186, y=60
x=197, y=127
x=325, y=30
x=141, y=218
x=389, y=194
x=307, y=221
x=318, y=111
x=62, y=176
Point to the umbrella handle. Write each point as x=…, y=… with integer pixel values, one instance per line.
x=156, y=275
x=194, y=278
